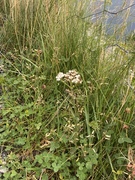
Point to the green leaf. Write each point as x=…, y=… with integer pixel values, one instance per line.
x=128, y=140
x=81, y=166
x=38, y=126
x=1, y=79
x=94, y=125
x=81, y=174
x=16, y=82
x=121, y=140
x=63, y=138
x=13, y=173
x=45, y=177
x=54, y=146
x=20, y=141
x=89, y=165
x=56, y=166
x=124, y=139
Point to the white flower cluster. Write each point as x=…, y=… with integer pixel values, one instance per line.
x=71, y=76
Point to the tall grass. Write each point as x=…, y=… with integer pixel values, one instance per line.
x=59, y=129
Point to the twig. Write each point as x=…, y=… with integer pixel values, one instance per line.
x=126, y=51
x=115, y=13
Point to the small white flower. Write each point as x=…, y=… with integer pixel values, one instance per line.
x=75, y=81
x=78, y=76
x=60, y=76
x=3, y=169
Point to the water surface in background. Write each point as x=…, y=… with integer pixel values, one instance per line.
x=121, y=16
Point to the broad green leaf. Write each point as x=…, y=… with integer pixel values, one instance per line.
x=124, y=139
x=121, y=140
x=38, y=126
x=20, y=141
x=56, y=166
x=128, y=140
x=89, y=165
x=54, y=146
x=13, y=173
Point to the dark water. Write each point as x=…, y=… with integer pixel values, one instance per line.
x=121, y=19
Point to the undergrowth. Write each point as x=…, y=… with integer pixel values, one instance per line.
x=67, y=95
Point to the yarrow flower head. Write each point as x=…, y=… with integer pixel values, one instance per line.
x=71, y=76
x=60, y=76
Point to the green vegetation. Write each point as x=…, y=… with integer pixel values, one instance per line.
x=77, y=124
